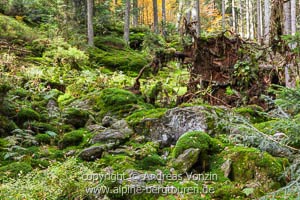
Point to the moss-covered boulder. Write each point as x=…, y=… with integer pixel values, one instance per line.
x=114, y=101
x=186, y=160
x=72, y=138
x=150, y=162
x=76, y=117
x=250, y=168
x=27, y=114
x=43, y=138
x=203, y=145
x=198, y=140
x=6, y=126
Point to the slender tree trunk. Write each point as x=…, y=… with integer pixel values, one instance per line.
x=135, y=9
x=127, y=21
x=90, y=22
x=188, y=8
x=293, y=17
x=258, y=4
x=155, y=16
x=223, y=15
x=241, y=18
x=164, y=19
x=198, y=27
x=179, y=15
x=287, y=17
x=251, y=20
x=267, y=22
x=233, y=16
x=247, y=20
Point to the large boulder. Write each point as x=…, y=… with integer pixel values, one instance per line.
x=186, y=160
x=118, y=133
x=167, y=128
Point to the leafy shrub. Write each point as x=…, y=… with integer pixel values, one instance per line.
x=72, y=138
x=287, y=98
x=6, y=126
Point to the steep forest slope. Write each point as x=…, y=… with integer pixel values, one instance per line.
x=72, y=126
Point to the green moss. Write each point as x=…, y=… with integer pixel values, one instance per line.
x=246, y=160
x=41, y=127
x=43, y=138
x=27, y=114
x=139, y=115
x=150, y=162
x=72, y=138
x=65, y=99
x=76, y=117
x=6, y=126
x=127, y=60
x=228, y=191
x=117, y=102
x=253, y=112
x=119, y=163
x=13, y=170
x=38, y=163
x=194, y=139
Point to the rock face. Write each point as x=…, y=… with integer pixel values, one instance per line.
x=173, y=124
x=186, y=160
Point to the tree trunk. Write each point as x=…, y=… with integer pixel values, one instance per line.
x=241, y=18
x=287, y=17
x=247, y=20
x=179, y=15
x=258, y=4
x=223, y=15
x=233, y=16
x=198, y=27
x=267, y=22
x=135, y=9
x=251, y=20
x=293, y=17
x=155, y=16
x=164, y=19
x=127, y=21
x=90, y=5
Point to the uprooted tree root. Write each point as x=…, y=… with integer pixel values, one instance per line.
x=226, y=71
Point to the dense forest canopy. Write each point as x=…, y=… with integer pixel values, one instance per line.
x=149, y=99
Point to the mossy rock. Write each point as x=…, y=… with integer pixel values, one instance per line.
x=72, y=138
x=246, y=160
x=138, y=116
x=27, y=114
x=13, y=170
x=198, y=140
x=43, y=138
x=76, y=117
x=65, y=99
x=42, y=127
x=6, y=126
x=119, y=163
x=254, y=113
x=151, y=162
x=118, y=102
x=127, y=60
